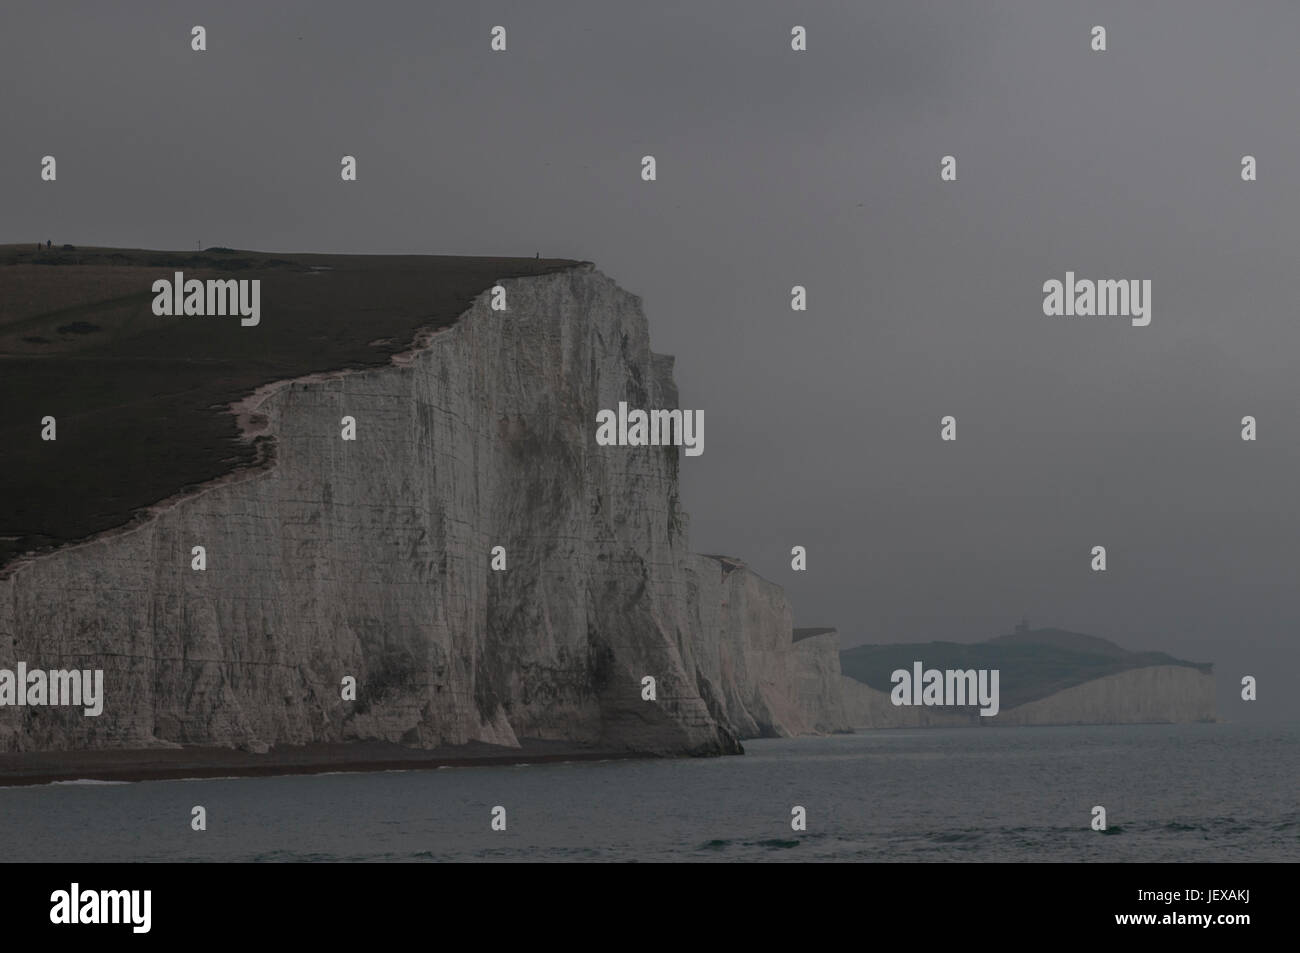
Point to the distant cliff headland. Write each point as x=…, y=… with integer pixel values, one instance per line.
x=1047, y=677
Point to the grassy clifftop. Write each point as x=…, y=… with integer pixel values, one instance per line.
x=140, y=400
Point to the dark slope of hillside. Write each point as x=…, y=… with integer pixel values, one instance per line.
x=1033, y=663
x=140, y=400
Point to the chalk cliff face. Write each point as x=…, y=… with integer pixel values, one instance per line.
x=765, y=683
x=1156, y=694
x=817, y=684
x=371, y=559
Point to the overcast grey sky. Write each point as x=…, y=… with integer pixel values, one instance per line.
x=779, y=168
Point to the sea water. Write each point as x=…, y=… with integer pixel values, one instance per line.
x=1209, y=792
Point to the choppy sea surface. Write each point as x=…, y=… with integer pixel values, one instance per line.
x=1171, y=793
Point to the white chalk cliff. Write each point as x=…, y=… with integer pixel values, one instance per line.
x=1154, y=694
x=371, y=559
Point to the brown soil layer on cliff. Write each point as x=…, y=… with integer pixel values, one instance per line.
x=140, y=400
x=165, y=764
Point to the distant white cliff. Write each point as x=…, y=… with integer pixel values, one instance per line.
x=1156, y=694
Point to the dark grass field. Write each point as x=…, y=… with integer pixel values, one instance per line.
x=140, y=400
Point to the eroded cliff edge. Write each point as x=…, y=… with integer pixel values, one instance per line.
x=371, y=559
